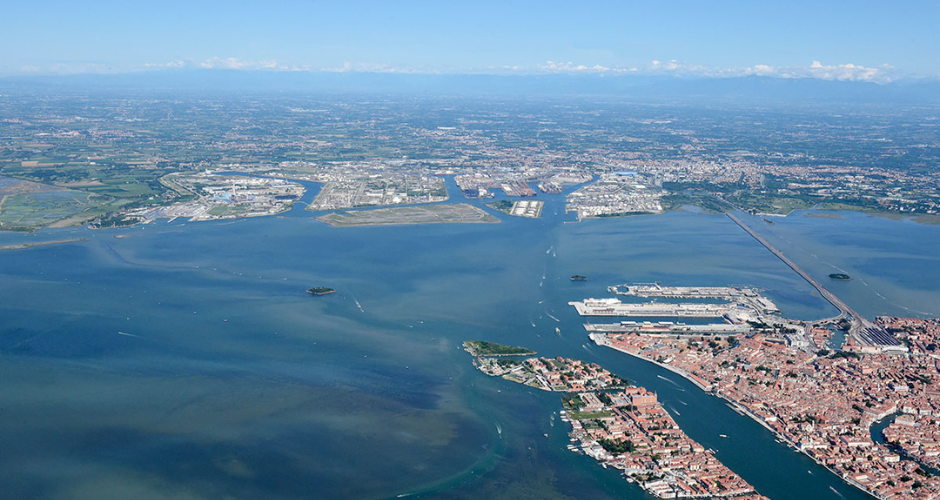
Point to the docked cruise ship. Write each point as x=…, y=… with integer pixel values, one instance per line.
x=668, y=327
x=613, y=307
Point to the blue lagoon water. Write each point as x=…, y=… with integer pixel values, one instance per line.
x=185, y=360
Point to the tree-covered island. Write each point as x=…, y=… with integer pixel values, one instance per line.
x=480, y=348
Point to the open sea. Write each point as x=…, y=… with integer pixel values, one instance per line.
x=186, y=361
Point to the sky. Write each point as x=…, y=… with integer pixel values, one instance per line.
x=863, y=40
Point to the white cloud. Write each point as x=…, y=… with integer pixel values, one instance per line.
x=849, y=72
x=761, y=70
x=673, y=67
x=168, y=65
x=569, y=67
x=235, y=63
x=841, y=72
x=368, y=67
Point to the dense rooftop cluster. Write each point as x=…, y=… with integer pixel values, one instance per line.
x=825, y=403
x=627, y=429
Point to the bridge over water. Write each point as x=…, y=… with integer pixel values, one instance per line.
x=861, y=329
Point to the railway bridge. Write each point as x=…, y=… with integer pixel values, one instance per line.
x=862, y=330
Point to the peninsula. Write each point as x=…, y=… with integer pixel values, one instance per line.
x=626, y=428
x=40, y=243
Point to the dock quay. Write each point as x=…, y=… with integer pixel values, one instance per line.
x=732, y=294
x=683, y=292
x=613, y=307
x=669, y=328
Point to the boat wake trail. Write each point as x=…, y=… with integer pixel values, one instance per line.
x=882, y=297
x=673, y=382
x=358, y=304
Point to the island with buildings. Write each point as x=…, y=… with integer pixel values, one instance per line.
x=824, y=403
x=625, y=428
x=822, y=398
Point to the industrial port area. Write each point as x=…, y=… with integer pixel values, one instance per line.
x=787, y=375
x=790, y=375
x=212, y=196
x=736, y=310
x=742, y=309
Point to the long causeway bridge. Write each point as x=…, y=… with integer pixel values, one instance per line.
x=863, y=330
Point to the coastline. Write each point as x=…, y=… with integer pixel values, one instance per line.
x=740, y=409
x=600, y=339
x=22, y=246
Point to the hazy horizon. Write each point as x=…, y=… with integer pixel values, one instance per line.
x=858, y=41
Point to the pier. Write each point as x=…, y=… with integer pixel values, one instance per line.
x=613, y=307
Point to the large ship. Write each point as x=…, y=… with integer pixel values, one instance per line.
x=596, y=307
x=613, y=307
x=668, y=327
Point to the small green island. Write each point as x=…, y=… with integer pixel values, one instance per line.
x=578, y=277
x=840, y=277
x=320, y=290
x=480, y=348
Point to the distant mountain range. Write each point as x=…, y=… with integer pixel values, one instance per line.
x=752, y=88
